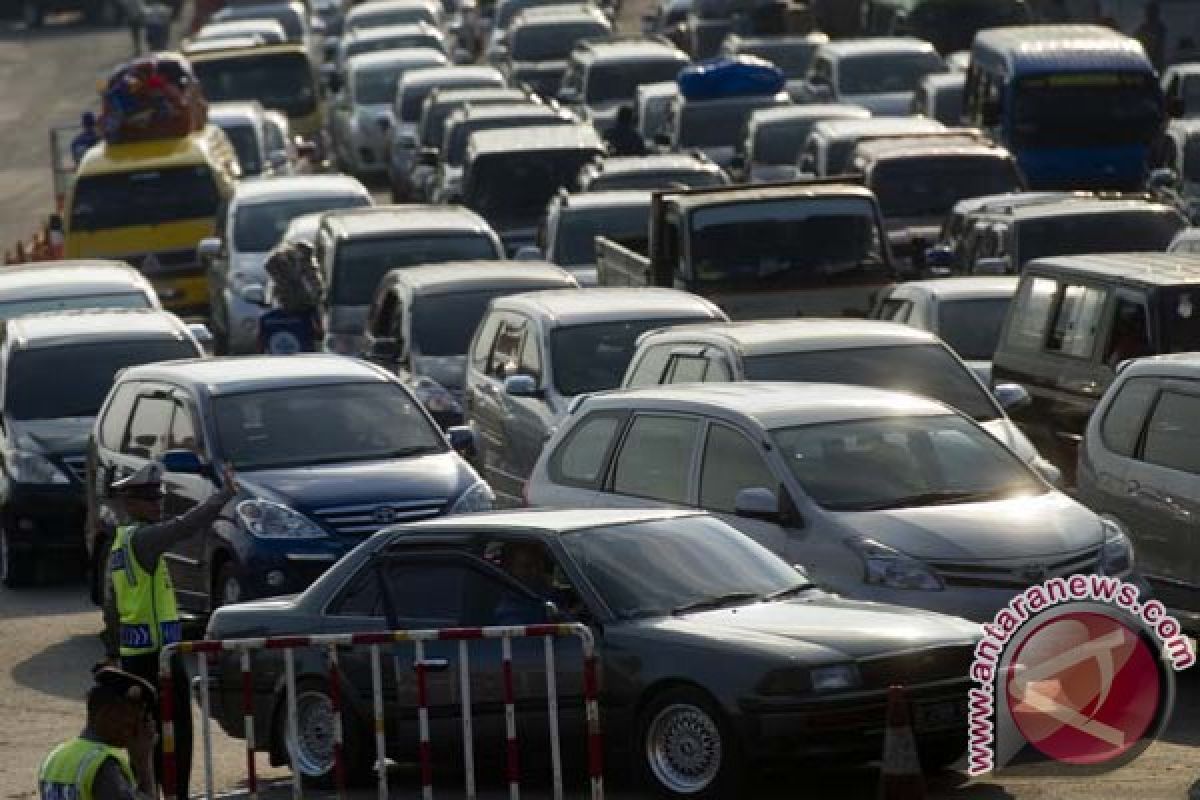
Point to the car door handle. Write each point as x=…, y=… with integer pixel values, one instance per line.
x=433, y=664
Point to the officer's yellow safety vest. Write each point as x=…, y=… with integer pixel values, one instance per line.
x=145, y=602
x=70, y=769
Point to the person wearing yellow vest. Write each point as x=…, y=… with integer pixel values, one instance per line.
x=113, y=758
x=140, y=612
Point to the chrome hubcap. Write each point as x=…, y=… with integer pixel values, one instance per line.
x=683, y=748
x=313, y=749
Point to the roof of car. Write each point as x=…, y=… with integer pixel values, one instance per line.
x=257, y=51
x=934, y=146
x=876, y=45
x=1084, y=204
x=382, y=220
x=543, y=520
x=617, y=165
x=735, y=40
x=806, y=111
x=70, y=327
x=871, y=126
x=458, y=94
x=220, y=29
x=235, y=111
x=1144, y=269
x=945, y=80
x=631, y=49
x=1172, y=365
x=772, y=405
x=605, y=198
x=1039, y=48
x=1190, y=68
x=404, y=56
x=659, y=89
x=451, y=75
x=383, y=6
x=771, y=336
x=290, y=187
x=254, y=373
x=536, y=137
x=720, y=196
x=465, y=276
x=1189, y=126
x=966, y=287
x=517, y=108
x=583, y=306
x=68, y=278
x=998, y=203
x=556, y=14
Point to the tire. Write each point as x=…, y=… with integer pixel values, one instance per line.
x=227, y=587
x=314, y=726
x=685, y=748
x=17, y=571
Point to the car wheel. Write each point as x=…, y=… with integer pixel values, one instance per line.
x=312, y=747
x=228, y=588
x=16, y=570
x=684, y=747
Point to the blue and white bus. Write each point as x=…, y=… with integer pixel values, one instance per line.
x=1078, y=105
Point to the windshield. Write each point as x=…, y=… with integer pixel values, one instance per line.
x=73, y=380
x=552, y=42
x=591, y=358
x=359, y=422
x=512, y=189
x=972, y=327
x=411, y=41
x=442, y=325
x=1130, y=231
x=617, y=82
x=259, y=227
x=780, y=143
x=575, y=239
x=717, y=124
x=361, y=264
x=376, y=87
x=647, y=569
x=435, y=116
x=154, y=197
x=901, y=462
x=787, y=244
x=657, y=179
x=282, y=81
x=793, y=58
x=883, y=73
x=43, y=305
x=925, y=369
x=925, y=187
x=245, y=144
x=1086, y=109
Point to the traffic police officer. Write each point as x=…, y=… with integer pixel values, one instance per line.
x=140, y=612
x=113, y=758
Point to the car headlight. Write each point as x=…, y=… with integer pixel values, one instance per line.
x=435, y=397
x=276, y=521
x=883, y=566
x=25, y=466
x=835, y=677
x=1116, y=557
x=793, y=681
x=478, y=498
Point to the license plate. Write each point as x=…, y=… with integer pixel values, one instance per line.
x=938, y=716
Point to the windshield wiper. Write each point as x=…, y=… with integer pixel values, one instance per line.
x=789, y=591
x=706, y=603
x=935, y=498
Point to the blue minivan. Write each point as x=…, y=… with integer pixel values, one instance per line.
x=328, y=450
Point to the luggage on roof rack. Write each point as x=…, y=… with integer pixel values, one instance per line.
x=740, y=76
x=155, y=97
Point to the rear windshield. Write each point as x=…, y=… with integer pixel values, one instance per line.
x=281, y=81
x=376, y=87
x=575, y=240
x=922, y=187
x=153, y=197
x=512, y=189
x=552, y=42
x=717, y=124
x=972, y=327
x=925, y=369
x=780, y=143
x=612, y=83
x=590, y=358
x=884, y=73
x=73, y=380
x=18, y=308
x=442, y=325
x=362, y=264
x=793, y=58
x=259, y=227
x=1132, y=231
x=455, y=146
x=247, y=147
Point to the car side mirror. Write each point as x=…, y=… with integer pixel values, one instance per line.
x=183, y=462
x=1162, y=178
x=520, y=386
x=384, y=350
x=757, y=503
x=255, y=294
x=998, y=265
x=427, y=157
x=1012, y=396
x=528, y=253
x=462, y=440
x=209, y=249
x=203, y=337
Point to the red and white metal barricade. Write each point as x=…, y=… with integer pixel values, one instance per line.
x=375, y=640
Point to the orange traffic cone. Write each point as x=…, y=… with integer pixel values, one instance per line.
x=900, y=776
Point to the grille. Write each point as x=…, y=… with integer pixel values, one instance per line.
x=917, y=667
x=363, y=520
x=1015, y=574
x=76, y=467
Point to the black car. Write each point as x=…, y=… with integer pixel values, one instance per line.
x=55, y=370
x=328, y=451
x=704, y=638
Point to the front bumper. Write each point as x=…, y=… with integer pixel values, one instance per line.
x=44, y=518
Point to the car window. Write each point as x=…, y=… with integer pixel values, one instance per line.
x=656, y=458
x=430, y=593
x=361, y=597
x=182, y=435
x=731, y=463
x=687, y=369
x=1123, y=421
x=1173, y=437
x=148, y=428
x=116, y=418
x=1031, y=313
x=648, y=371
x=506, y=352
x=484, y=340
x=579, y=460
x=1077, y=321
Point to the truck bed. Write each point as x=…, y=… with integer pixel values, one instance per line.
x=618, y=265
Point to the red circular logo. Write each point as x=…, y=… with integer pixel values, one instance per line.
x=1083, y=688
